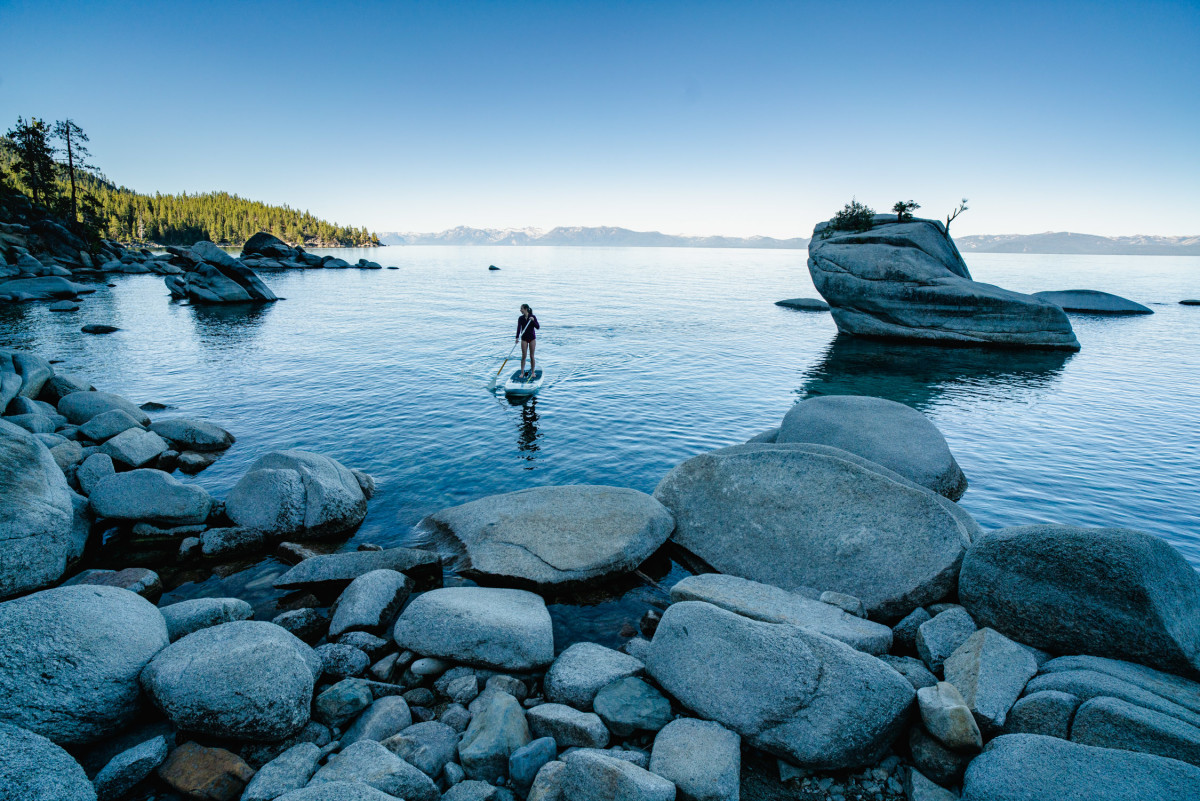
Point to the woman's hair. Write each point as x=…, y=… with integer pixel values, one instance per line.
x=525, y=308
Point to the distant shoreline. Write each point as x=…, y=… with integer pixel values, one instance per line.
x=1060, y=243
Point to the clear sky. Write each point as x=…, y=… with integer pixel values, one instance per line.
x=692, y=117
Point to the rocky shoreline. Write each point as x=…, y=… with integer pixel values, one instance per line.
x=852, y=634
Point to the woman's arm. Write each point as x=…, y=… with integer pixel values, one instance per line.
x=536, y=324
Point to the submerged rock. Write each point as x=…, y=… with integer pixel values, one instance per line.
x=243, y=680
x=908, y=281
x=804, y=304
x=888, y=433
x=554, y=535
x=801, y=696
x=297, y=493
x=70, y=659
x=1090, y=301
x=1104, y=591
x=1017, y=767
x=36, y=514
x=811, y=515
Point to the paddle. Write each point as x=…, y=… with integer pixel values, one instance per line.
x=492, y=383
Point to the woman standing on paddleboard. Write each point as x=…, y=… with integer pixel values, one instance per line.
x=527, y=326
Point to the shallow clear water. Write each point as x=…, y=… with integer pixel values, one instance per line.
x=652, y=356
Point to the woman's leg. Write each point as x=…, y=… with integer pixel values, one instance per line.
x=532, y=361
x=524, y=351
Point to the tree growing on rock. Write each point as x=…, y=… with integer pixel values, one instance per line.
x=854, y=216
x=29, y=142
x=952, y=215
x=904, y=210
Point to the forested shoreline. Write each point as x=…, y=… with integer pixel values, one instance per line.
x=49, y=165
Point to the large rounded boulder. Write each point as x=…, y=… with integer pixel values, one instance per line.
x=35, y=514
x=907, y=280
x=1109, y=592
x=22, y=374
x=792, y=692
x=553, y=535
x=246, y=680
x=814, y=516
x=297, y=493
x=33, y=768
x=70, y=659
x=888, y=433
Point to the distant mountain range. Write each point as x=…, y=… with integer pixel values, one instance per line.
x=607, y=236
x=1062, y=242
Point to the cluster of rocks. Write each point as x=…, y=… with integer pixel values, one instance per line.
x=848, y=624
x=80, y=466
x=264, y=251
x=39, y=260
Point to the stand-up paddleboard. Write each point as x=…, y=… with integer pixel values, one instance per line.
x=524, y=384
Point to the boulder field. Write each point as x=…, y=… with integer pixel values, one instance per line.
x=848, y=631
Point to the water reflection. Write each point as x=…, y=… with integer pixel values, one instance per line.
x=527, y=431
x=917, y=375
x=228, y=326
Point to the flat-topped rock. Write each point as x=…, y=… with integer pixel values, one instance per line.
x=1091, y=301
x=799, y=695
x=888, y=433
x=134, y=447
x=804, y=304
x=908, y=281
x=810, y=515
x=339, y=569
x=597, y=777
x=36, y=514
x=553, y=535
x=1108, y=592
x=773, y=605
x=1019, y=767
x=483, y=626
x=150, y=495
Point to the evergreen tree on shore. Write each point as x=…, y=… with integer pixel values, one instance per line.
x=73, y=137
x=101, y=208
x=33, y=159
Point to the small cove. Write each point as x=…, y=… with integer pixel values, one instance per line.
x=654, y=355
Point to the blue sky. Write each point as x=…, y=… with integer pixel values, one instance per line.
x=700, y=118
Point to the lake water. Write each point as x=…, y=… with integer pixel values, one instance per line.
x=653, y=355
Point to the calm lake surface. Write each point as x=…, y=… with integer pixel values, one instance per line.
x=653, y=355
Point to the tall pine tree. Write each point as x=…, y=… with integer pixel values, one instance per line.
x=30, y=144
x=73, y=138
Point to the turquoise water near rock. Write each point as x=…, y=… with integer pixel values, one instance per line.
x=652, y=355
